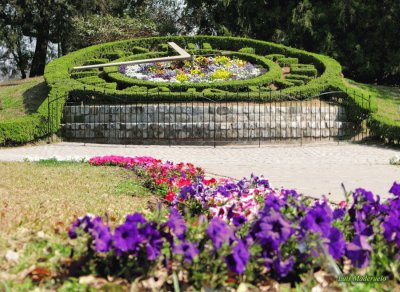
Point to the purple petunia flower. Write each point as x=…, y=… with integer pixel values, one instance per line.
x=239, y=220
x=289, y=193
x=177, y=224
x=263, y=182
x=272, y=201
x=84, y=222
x=189, y=250
x=271, y=230
x=127, y=238
x=72, y=230
x=395, y=189
x=339, y=213
x=237, y=261
x=220, y=233
x=187, y=192
x=223, y=191
x=318, y=219
x=391, y=227
x=283, y=268
x=358, y=251
x=102, y=235
x=337, y=243
x=135, y=218
x=361, y=227
x=364, y=195
x=153, y=240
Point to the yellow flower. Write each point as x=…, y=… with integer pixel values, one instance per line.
x=195, y=71
x=239, y=62
x=181, y=77
x=220, y=74
x=223, y=60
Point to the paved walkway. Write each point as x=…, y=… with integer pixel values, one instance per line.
x=314, y=169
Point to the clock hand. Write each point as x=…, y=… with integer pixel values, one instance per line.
x=183, y=55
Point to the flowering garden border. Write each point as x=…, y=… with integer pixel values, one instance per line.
x=222, y=233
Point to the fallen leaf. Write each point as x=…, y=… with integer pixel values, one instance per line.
x=92, y=281
x=39, y=274
x=324, y=279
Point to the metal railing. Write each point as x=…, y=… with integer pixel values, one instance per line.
x=211, y=122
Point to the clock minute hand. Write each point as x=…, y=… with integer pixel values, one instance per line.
x=183, y=55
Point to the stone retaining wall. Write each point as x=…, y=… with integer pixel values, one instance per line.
x=205, y=122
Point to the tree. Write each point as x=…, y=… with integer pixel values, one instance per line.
x=362, y=35
x=44, y=20
x=15, y=53
x=100, y=29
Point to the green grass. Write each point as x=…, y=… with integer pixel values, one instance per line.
x=387, y=99
x=21, y=97
x=39, y=200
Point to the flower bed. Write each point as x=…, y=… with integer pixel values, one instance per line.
x=203, y=69
x=221, y=233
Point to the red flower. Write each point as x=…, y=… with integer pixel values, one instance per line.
x=161, y=181
x=208, y=182
x=170, y=196
x=184, y=182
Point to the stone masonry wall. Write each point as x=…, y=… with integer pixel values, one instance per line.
x=205, y=122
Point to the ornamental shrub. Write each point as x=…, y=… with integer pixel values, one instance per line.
x=287, y=61
x=275, y=57
x=247, y=50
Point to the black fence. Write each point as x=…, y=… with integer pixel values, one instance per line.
x=328, y=116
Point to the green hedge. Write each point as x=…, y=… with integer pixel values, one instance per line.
x=81, y=74
x=247, y=50
x=275, y=57
x=61, y=83
x=305, y=71
x=305, y=78
x=287, y=61
x=384, y=128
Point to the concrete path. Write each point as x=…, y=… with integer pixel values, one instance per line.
x=314, y=169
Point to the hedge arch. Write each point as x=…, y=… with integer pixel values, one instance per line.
x=310, y=74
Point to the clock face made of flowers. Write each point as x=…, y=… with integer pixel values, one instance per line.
x=184, y=68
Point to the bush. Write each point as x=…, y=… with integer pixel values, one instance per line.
x=247, y=50
x=96, y=61
x=191, y=46
x=81, y=74
x=305, y=71
x=305, y=78
x=275, y=57
x=295, y=81
x=207, y=46
x=287, y=61
x=93, y=80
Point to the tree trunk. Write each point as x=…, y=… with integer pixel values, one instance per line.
x=23, y=74
x=39, y=58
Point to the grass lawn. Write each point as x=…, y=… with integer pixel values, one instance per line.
x=21, y=97
x=38, y=201
x=387, y=99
